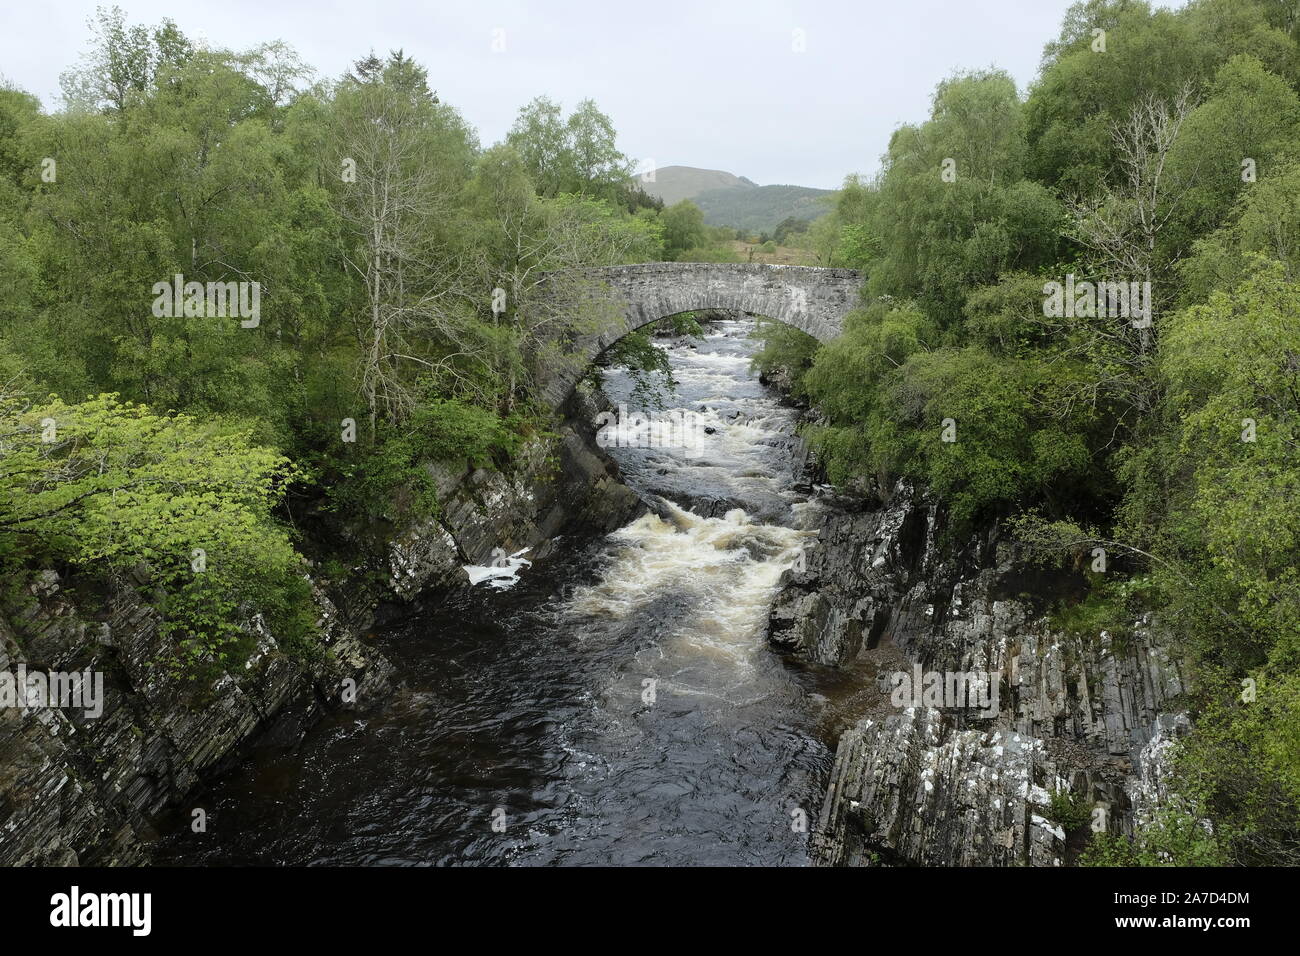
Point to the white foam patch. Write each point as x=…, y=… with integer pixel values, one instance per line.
x=499, y=576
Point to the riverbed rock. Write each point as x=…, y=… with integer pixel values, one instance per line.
x=850, y=589
x=92, y=790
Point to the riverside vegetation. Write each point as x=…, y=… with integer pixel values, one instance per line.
x=401, y=266
x=1154, y=146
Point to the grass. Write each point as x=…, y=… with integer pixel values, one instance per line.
x=780, y=256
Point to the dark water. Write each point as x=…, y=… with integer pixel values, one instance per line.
x=616, y=705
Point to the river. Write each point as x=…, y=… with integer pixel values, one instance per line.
x=617, y=705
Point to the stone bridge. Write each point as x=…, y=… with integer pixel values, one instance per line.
x=811, y=299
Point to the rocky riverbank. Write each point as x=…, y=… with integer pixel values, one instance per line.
x=562, y=484
x=1074, y=722
x=90, y=790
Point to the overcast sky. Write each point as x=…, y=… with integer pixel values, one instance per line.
x=712, y=83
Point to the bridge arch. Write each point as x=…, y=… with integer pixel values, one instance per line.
x=812, y=299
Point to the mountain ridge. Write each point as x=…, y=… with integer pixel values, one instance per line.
x=735, y=201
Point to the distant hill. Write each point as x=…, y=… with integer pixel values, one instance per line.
x=730, y=200
x=674, y=183
x=761, y=208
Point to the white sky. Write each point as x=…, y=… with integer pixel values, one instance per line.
x=710, y=83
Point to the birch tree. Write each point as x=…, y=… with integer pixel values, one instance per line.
x=1120, y=230
x=1121, y=227
x=401, y=159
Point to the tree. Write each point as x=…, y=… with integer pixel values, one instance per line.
x=278, y=68
x=952, y=209
x=1120, y=228
x=1235, y=138
x=542, y=142
x=403, y=158
x=124, y=61
x=1266, y=221
x=601, y=170
x=683, y=228
x=578, y=155
x=190, y=180
x=534, y=251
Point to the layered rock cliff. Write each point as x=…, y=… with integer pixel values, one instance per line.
x=78, y=788
x=1071, y=724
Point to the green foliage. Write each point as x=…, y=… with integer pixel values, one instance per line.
x=784, y=349
x=1081, y=92
x=762, y=208
x=1266, y=222
x=448, y=430
x=1175, y=837
x=103, y=484
x=1101, y=610
x=648, y=365
x=709, y=253
x=575, y=156
x=1249, y=114
x=1233, y=372
x=389, y=477
x=1172, y=447
x=1243, y=761
x=1229, y=529
x=1005, y=450
x=1069, y=810
x=953, y=209
x=376, y=305
x=790, y=227
x=1005, y=318
x=683, y=228
x=967, y=422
